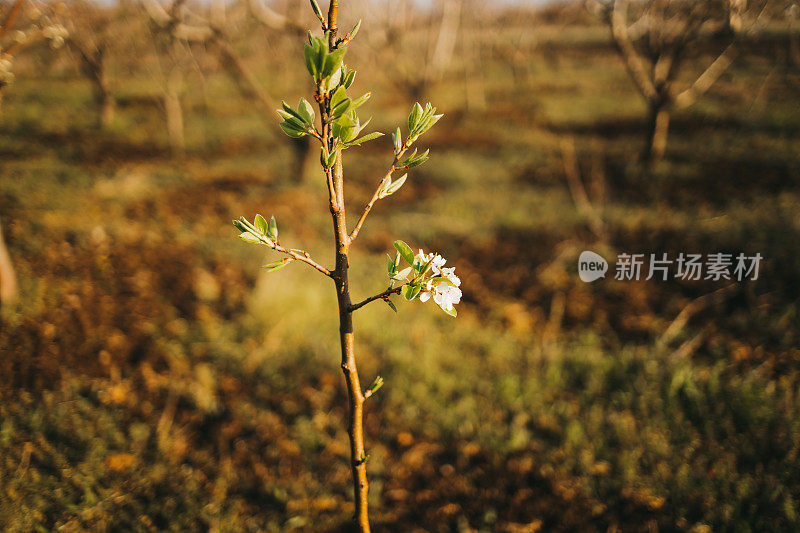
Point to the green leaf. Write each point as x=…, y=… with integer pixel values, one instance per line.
x=391, y=304
x=359, y=101
x=260, y=224
x=340, y=103
x=376, y=385
x=349, y=79
x=425, y=119
x=348, y=120
x=317, y=11
x=338, y=97
x=415, y=160
x=335, y=78
x=289, y=113
x=365, y=138
x=333, y=61
x=424, y=269
x=431, y=121
x=405, y=251
x=349, y=134
x=248, y=225
x=332, y=159
x=410, y=291
x=238, y=225
x=441, y=279
x=277, y=265
x=360, y=126
x=322, y=54
x=416, y=111
x=340, y=109
x=292, y=131
x=452, y=312
x=393, y=186
x=249, y=237
x=397, y=139
x=296, y=124
x=310, y=55
x=305, y=111
x=392, y=268
x=273, y=228
x=352, y=33
x=418, y=266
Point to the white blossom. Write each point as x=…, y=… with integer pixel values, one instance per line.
x=427, y=278
x=445, y=294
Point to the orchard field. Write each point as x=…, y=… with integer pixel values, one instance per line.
x=154, y=377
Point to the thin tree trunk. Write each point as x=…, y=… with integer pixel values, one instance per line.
x=174, y=113
x=657, y=132
x=103, y=98
x=445, y=41
x=355, y=426
x=94, y=67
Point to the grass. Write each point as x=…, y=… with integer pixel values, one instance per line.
x=155, y=379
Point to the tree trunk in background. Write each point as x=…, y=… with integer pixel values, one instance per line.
x=93, y=67
x=446, y=39
x=657, y=132
x=102, y=93
x=107, y=109
x=174, y=113
x=8, y=279
x=249, y=87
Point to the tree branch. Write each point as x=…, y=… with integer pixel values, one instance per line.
x=300, y=255
x=381, y=296
x=707, y=78
x=377, y=193
x=368, y=207
x=634, y=61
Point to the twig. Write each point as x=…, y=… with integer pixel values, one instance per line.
x=368, y=207
x=300, y=255
x=381, y=296
x=377, y=193
x=577, y=189
x=691, y=309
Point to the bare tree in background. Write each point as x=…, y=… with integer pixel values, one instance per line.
x=654, y=39
x=425, y=47
x=90, y=36
x=171, y=36
x=269, y=18
x=181, y=27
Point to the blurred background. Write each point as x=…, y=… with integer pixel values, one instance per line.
x=153, y=377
